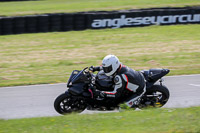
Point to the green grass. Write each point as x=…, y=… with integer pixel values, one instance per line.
x=51, y=57
x=182, y=120
x=58, y=6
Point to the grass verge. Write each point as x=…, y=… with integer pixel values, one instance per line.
x=59, y=6
x=182, y=120
x=50, y=57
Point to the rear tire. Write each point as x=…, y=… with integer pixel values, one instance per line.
x=65, y=104
x=160, y=100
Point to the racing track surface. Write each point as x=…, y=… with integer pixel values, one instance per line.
x=37, y=100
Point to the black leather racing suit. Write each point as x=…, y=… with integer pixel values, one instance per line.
x=129, y=85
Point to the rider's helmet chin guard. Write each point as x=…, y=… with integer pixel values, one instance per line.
x=110, y=64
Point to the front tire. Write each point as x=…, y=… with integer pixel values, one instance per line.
x=65, y=104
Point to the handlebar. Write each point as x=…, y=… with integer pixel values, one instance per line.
x=89, y=74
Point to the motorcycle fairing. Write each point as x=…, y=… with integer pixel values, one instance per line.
x=152, y=75
x=77, y=77
x=77, y=89
x=155, y=74
x=73, y=74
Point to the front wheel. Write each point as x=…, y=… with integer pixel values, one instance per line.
x=156, y=96
x=65, y=103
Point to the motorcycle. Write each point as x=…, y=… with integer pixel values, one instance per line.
x=80, y=92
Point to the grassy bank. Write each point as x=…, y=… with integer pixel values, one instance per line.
x=58, y=6
x=50, y=57
x=182, y=120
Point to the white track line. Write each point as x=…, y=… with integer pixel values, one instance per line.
x=195, y=85
x=183, y=75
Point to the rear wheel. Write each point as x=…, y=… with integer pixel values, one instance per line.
x=65, y=103
x=156, y=96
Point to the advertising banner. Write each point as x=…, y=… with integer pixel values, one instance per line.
x=143, y=18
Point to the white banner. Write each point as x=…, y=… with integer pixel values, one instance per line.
x=124, y=21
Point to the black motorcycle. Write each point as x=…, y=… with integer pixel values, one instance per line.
x=82, y=86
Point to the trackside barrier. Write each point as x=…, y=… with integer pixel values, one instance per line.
x=99, y=20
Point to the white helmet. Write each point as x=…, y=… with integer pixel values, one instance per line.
x=110, y=64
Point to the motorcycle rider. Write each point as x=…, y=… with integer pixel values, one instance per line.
x=129, y=85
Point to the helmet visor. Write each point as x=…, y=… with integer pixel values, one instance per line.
x=107, y=69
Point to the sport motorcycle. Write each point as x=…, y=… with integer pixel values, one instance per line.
x=83, y=85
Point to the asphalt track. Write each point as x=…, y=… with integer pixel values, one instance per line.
x=37, y=100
